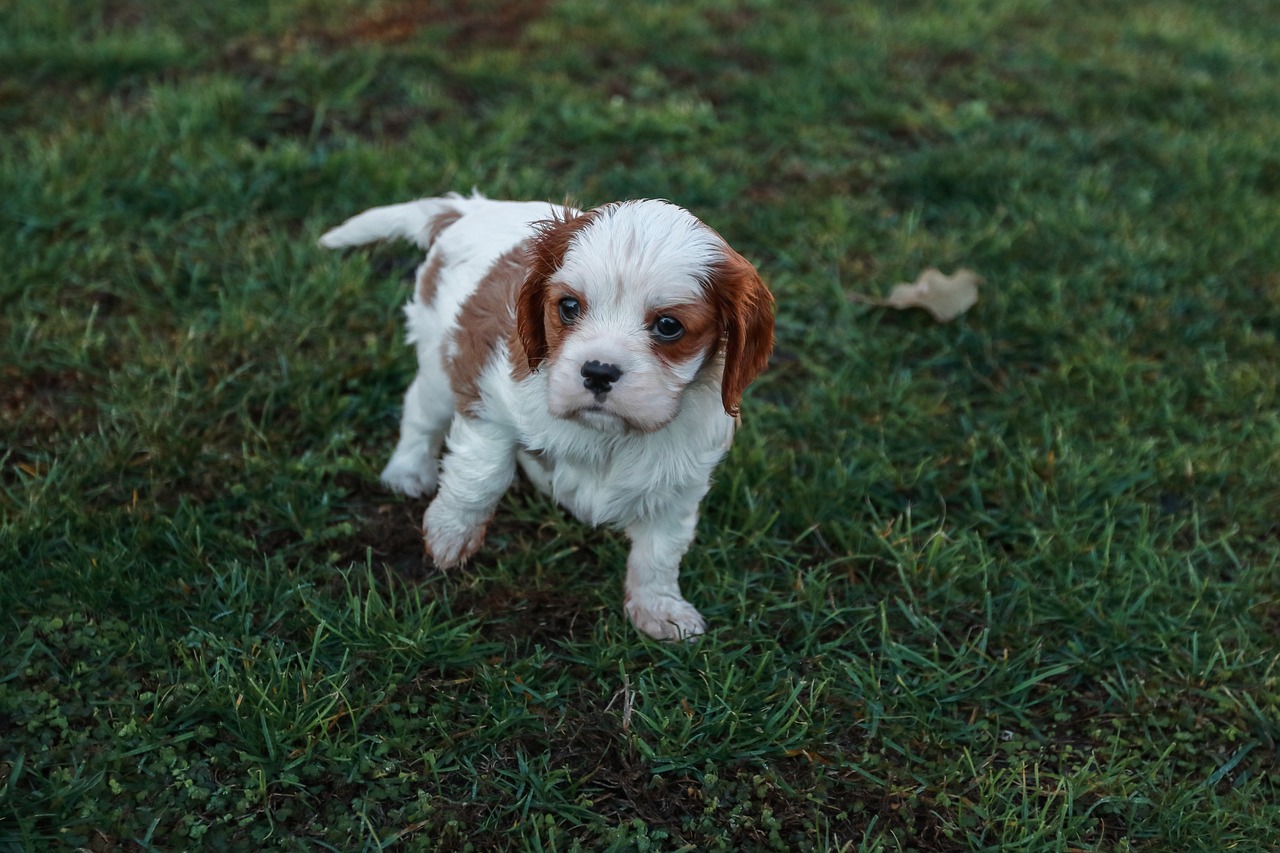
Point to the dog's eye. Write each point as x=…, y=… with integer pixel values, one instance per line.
x=569, y=310
x=667, y=329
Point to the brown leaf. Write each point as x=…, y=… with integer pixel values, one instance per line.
x=946, y=297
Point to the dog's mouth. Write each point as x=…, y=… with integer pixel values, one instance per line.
x=613, y=413
x=602, y=418
x=598, y=416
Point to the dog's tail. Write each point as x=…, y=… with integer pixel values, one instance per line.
x=419, y=221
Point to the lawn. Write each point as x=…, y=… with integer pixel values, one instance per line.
x=1008, y=583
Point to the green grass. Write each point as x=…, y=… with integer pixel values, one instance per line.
x=1007, y=584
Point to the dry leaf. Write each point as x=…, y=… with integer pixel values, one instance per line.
x=946, y=297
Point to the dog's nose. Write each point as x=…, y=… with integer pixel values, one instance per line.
x=598, y=378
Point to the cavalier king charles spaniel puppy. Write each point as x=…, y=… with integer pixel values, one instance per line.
x=603, y=351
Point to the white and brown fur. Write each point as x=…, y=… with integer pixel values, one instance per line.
x=501, y=372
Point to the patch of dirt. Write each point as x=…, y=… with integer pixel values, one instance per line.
x=388, y=529
x=122, y=15
x=466, y=24
x=489, y=23
x=37, y=405
x=534, y=616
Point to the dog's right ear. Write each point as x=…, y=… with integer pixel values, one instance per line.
x=545, y=256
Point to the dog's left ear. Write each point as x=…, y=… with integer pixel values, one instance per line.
x=545, y=257
x=746, y=314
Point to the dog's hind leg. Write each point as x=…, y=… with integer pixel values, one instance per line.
x=428, y=409
x=414, y=467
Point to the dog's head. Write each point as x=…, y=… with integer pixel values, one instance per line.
x=627, y=305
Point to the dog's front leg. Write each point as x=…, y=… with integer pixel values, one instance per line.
x=477, y=468
x=653, y=601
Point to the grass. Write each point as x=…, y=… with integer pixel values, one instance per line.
x=1006, y=584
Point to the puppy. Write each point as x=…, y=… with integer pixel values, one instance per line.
x=605, y=352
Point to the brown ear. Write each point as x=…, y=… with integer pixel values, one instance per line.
x=746, y=313
x=544, y=257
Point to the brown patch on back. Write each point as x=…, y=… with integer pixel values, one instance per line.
x=439, y=222
x=486, y=319
x=429, y=279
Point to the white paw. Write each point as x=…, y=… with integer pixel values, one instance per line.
x=410, y=475
x=664, y=617
x=451, y=537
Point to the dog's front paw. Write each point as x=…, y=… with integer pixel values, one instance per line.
x=451, y=538
x=664, y=617
x=410, y=475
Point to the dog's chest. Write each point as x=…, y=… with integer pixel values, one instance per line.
x=620, y=485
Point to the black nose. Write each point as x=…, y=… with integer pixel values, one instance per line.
x=598, y=378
